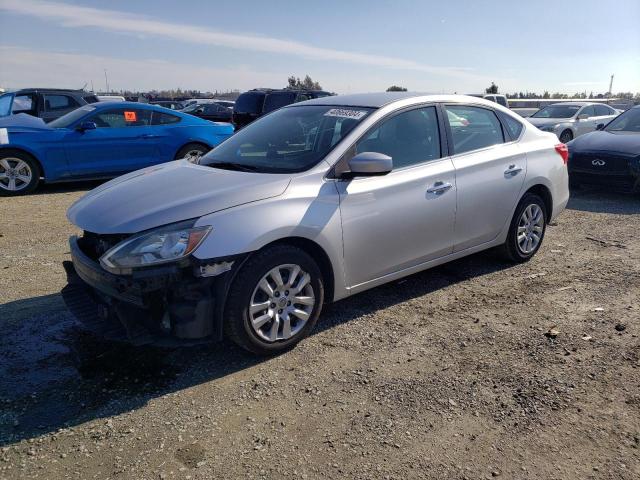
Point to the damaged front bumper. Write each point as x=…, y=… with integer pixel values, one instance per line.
x=167, y=304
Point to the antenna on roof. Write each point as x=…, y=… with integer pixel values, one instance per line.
x=610, y=84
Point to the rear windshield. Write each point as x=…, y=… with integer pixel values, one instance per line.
x=250, y=102
x=629, y=121
x=91, y=99
x=70, y=118
x=557, y=111
x=274, y=101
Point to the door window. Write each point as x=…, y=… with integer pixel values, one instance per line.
x=588, y=111
x=120, y=118
x=408, y=138
x=478, y=128
x=602, y=110
x=54, y=103
x=5, y=105
x=23, y=103
x=160, y=118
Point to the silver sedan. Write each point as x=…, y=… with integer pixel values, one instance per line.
x=310, y=204
x=569, y=120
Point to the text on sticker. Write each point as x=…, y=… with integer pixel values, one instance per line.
x=4, y=136
x=346, y=113
x=130, y=117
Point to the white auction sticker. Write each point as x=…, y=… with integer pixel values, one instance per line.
x=4, y=136
x=346, y=113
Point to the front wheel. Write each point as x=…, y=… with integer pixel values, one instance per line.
x=526, y=230
x=275, y=300
x=192, y=152
x=19, y=174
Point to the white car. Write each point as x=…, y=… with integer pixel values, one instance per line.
x=312, y=203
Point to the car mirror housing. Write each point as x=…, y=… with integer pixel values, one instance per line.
x=583, y=116
x=87, y=126
x=368, y=164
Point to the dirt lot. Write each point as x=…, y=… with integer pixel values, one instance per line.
x=446, y=374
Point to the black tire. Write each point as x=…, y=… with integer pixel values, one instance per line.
x=12, y=156
x=566, y=136
x=511, y=250
x=237, y=320
x=191, y=147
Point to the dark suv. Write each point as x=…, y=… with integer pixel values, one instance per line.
x=255, y=103
x=46, y=103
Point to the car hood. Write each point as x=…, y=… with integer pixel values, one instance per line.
x=169, y=193
x=23, y=122
x=539, y=122
x=627, y=143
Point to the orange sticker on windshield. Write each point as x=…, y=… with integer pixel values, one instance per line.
x=130, y=117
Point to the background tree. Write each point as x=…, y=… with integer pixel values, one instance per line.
x=396, y=88
x=492, y=89
x=294, y=83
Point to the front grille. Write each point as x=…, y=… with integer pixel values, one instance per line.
x=95, y=245
x=599, y=163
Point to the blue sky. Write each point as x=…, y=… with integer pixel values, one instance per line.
x=349, y=46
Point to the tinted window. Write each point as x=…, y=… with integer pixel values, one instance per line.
x=289, y=140
x=274, y=101
x=119, y=118
x=23, y=103
x=588, y=111
x=602, y=110
x=250, y=102
x=160, y=118
x=557, y=111
x=59, y=102
x=629, y=121
x=90, y=99
x=513, y=126
x=5, y=104
x=408, y=138
x=214, y=108
x=502, y=101
x=480, y=128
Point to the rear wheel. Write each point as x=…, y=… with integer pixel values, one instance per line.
x=19, y=174
x=526, y=230
x=566, y=136
x=192, y=152
x=275, y=300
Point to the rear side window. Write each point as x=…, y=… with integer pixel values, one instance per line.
x=409, y=138
x=250, y=102
x=602, y=110
x=513, y=126
x=120, y=118
x=54, y=103
x=501, y=101
x=274, y=101
x=160, y=118
x=473, y=128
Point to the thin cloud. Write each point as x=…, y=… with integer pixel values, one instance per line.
x=121, y=22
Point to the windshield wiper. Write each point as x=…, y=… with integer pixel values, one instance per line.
x=233, y=166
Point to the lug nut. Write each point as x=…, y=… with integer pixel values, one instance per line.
x=277, y=294
x=287, y=292
x=273, y=305
x=280, y=311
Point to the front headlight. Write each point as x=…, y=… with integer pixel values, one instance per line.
x=548, y=128
x=162, y=245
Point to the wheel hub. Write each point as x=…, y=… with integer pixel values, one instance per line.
x=530, y=228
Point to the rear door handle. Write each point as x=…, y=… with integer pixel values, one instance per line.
x=512, y=170
x=439, y=187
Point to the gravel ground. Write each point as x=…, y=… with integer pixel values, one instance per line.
x=476, y=369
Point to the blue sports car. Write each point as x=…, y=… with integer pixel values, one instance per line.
x=99, y=140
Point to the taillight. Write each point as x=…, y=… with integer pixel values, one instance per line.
x=563, y=151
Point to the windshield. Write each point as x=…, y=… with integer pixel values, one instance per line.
x=5, y=104
x=557, y=111
x=70, y=118
x=629, y=121
x=288, y=140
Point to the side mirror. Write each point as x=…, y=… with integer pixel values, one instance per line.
x=87, y=126
x=583, y=116
x=370, y=164
x=600, y=126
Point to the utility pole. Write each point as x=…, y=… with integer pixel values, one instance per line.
x=106, y=80
x=610, y=85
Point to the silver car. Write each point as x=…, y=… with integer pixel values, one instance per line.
x=310, y=204
x=569, y=120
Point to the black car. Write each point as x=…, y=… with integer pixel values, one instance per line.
x=172, y=104
x=210, y=111
x=46, y=103
x=610, y=156
x=255, y=103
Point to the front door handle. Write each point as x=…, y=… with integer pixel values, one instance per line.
x=439, y=187
x=512, y=170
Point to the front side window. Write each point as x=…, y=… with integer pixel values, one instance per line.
x=409, y=138
x=23, y=103
x=250, y=102
x=557, y=111
x=588, y=111
x=291, y=139
x=480, y=128
x=274, y=101
x=121, y=118
x=54, y=103
x=502, y=101
x=629, y=121
x=72, y=117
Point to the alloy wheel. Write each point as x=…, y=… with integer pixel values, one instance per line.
x=15, y=174
x=530, y=228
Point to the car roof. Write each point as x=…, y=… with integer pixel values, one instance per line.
x=377, y=100
x=579, y=104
